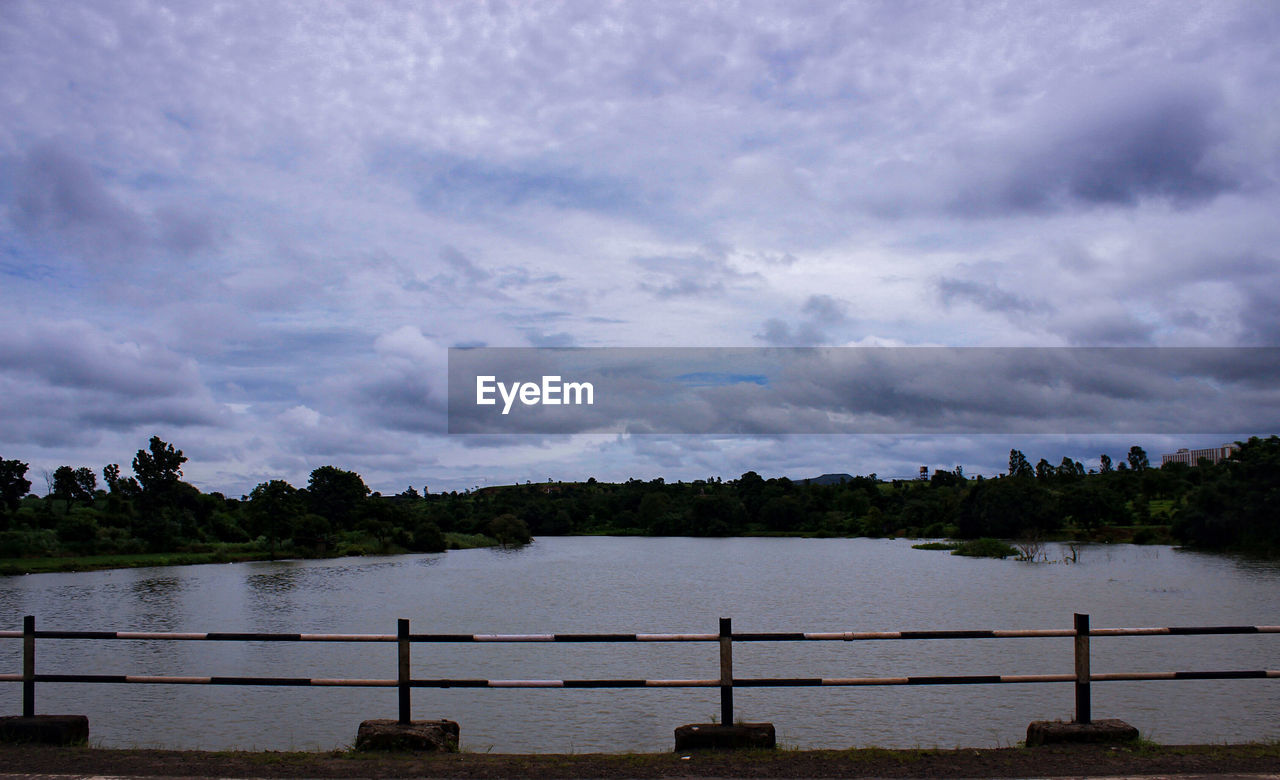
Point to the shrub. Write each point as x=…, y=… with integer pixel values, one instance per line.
x=984, y=548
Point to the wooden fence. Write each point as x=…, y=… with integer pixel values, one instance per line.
x=1081, y=676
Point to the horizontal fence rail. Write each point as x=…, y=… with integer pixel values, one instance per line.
x=404, y=682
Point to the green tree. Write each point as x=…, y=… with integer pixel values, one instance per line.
x=79, y=531
x=1044, y=469
x=427, y=536
x=111, y=473
x=1138, y=458
x=274, y=509
x=1106, y=463
x=13, y=483
x=311, y=531
x=336, y=495
x=163, y=500
x=782, y=513
x=653, y=508
x=1092, y=505
x=73, y=486
x=1018, y=465
x=1070, y=470
x=509, y=530
x=158, y=467
x=1006, y=508
x=1234, y=506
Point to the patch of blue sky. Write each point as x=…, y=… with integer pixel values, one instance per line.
x=312, y=348
x=152, y=180
x=442, y=181
x=8, y=167
x=181, y=120
x=253, y=388
x=281, y=155
x=20, y=264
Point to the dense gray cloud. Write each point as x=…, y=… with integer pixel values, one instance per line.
x=818, y=312
x=1110, y=144
x=54, y=193
x=255, y=227
x=70, y=381
x=706, y=273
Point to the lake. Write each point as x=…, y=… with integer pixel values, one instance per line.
x=663, y=585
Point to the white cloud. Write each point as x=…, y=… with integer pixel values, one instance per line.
x=296, y=208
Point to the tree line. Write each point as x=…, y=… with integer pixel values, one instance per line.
x=1223, y=506
x=155, y=511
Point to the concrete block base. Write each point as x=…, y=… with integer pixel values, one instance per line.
x=429, y=736
x=1053, y=732
x=718, y=736
x=45, y=729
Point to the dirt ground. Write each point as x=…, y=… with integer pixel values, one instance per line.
x=1041, y=762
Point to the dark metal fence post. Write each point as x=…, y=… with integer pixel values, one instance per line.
x=726, y=671
x=29, y=666
x=402, y=639
x=1083, y=715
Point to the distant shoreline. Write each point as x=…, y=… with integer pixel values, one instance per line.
x=82, y=563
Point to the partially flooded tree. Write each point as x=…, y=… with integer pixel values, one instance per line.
x=509, y=530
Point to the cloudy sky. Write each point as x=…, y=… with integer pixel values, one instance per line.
x=255, y=228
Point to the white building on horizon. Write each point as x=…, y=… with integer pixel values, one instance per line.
x=1193, y=457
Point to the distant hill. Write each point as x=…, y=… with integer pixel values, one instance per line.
x=826, y=479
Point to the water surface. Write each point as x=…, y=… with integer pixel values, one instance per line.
x=628, y=585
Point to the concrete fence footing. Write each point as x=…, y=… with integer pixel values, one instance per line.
x=720, y=736
x=45, y=729
x=422, y=736
x=1055, y=732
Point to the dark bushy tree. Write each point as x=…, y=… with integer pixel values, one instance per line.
x=509, y=530
x=1005, y=508
x=1235, y=505
x=158, y=467
x=13, y=483
x=1018, y=464
x=74, y=486
x=337, y=495
x=274, y=509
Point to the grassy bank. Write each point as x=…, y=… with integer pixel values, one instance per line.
x=222, y=554
x=11, y=566
x=1140, y=758
x=457, y=541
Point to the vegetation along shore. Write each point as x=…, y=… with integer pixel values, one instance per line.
x=154, y=518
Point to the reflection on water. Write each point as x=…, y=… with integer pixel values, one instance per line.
x=630, y=585
x=158, y=600
x=273, y=583
x=271, y=593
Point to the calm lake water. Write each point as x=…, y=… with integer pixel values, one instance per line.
x=628, y=585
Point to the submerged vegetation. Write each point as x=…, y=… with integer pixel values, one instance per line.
x=1225, y=506
x=986, y=547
